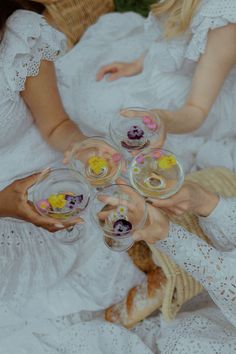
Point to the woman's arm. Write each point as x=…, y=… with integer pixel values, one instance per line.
x=217, y=216
x=211, y=71
x=215, y=270
x=43, y=99
x=220, y=225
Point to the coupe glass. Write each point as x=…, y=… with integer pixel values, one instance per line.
x=119, y=211
x=97, y=160
x=135, y=131
x=62, y=194
x=156, y=173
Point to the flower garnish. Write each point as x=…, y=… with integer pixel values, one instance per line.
x=122, y=227
x=97, y=165
x=122, y=210
x=152, y=126
x=140, y=159
x=135, y=133
x=166, y=162
x=43, y=205
x=57, y=201
x=116, y=157
x=73, y=201
x=157, y=154
x=150, y=123
x=136, y=170
x=147, y=120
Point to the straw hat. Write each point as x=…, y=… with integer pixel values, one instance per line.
x=181, y=286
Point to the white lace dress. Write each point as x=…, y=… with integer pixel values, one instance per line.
x=44, y=284
x=51, y=294
x=164, y=83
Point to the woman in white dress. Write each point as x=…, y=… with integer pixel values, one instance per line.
x=184, y=68
x=45, y=284
x=48, y=289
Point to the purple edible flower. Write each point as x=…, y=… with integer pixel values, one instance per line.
x=122, y=227
x=73, y=201
x=135, y=133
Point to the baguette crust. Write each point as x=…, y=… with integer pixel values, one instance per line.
x=140, y=301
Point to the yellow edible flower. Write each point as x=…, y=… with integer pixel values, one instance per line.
x=97, y=164
x=57, y=200
x=166, y=162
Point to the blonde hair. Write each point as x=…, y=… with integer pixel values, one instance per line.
x=179, y=15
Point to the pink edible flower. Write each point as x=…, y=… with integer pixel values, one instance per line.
x=116, y=157
x=158, y=154
x=152, y=126
x=140, y=158
x=147, y=120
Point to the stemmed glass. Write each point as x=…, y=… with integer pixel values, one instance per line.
x=134, y=129
x=156, y=173
x=62, y=194
x=119, y=211
x=97, y=160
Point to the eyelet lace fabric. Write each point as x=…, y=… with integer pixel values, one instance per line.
x=214, y=268
x=33, y=41
x=51, y=294
x=212, y=14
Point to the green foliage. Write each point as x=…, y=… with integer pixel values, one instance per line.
x=140, y=6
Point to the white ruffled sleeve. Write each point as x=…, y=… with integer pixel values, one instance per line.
x=27, y=40
x=214, y=269
x=212, y=14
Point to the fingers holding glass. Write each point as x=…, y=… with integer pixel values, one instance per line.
x=115, y=211
x=62, y=195
x=97, y=160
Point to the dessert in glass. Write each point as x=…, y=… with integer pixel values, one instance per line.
x=135, y=129
x=62, y=194
x=97, y=160
x=156, y=173
x=115, y=211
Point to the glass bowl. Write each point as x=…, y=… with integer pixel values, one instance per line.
x=61, y=194
x=156, y=173
x=136, y=131
x=97, y=160
x=115, y=211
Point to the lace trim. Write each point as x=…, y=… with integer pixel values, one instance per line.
x=212, y=14
x=29, y=66
x=214, y=269
x=28, y=40
x=221, y=225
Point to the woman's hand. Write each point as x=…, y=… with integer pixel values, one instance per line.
x=156, y=228
x=14, y=203
x=190, y=198
x=117, y=70
x=157, y=224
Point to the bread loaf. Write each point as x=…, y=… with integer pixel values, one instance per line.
x=140, y=301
